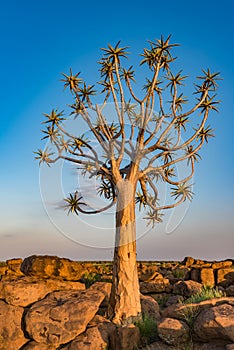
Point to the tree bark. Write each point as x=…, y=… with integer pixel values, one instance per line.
x=124, y=306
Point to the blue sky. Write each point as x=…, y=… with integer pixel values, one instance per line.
x=39, y=40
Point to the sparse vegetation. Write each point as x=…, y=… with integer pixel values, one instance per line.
x=178, y=273
x=205, y=294
x=148, y=329
x=90, y=278
x=189, y=315
x=163, y=300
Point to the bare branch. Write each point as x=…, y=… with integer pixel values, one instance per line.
x=97, y=211
x=131, y=92
x=150, y=169
x=157, y=144
x=169, y=206
x=186, y=179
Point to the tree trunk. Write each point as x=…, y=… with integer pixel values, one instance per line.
x=125, y=304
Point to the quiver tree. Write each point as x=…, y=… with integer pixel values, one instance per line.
x=138, y=147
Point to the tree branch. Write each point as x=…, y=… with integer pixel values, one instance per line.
x=165, y=132
x=97, y=211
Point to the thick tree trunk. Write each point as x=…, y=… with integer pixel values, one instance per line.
x=125, y=304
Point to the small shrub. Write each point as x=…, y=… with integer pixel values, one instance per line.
x=205, y=294
x=148, y=329
x=163, y=300
x=90, y=278
x=178, y=273
x=189, y=315
x=108, y=268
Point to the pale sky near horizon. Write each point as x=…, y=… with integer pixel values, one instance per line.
x=39, y=40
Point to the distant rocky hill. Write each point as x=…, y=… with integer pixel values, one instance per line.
x=52, y=303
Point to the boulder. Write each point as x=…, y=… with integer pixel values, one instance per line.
x=97, y=320
x=195, y=274
x=94, y=338
x=125, y=338
x=222, y=264
x=230, y=291
x=150, y=307
x=188, y=261
x=173, y=331
x=156, y=276
x=11, y=334
x=157, y=286
x=200, y=262
x=14, y=261
x=11, y=269
x=225, y=277
x=14, y=266
x=105, y=288
x=204, y=265
x=187, y=288
x=62, y=316
x=215, y=323
x=207, y=277
x=174, y=299
x=146, y=272
x=3, y=270
x=44, y=266
x=25, y=291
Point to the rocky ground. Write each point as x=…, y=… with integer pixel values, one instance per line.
x=50, y=303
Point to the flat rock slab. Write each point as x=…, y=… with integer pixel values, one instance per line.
x=25, y=291
x=62, y=316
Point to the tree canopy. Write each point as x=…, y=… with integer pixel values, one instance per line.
x=155, y=131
